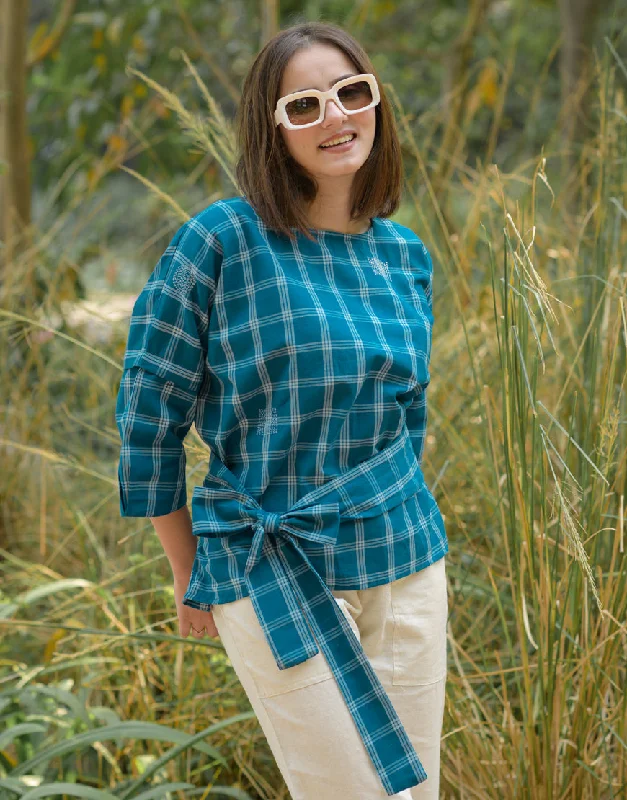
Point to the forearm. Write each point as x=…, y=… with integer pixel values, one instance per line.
x=175, y=534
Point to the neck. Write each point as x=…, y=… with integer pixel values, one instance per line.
x=330, y=211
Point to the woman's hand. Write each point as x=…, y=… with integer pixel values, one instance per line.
x=190, y=618
x=175, y=531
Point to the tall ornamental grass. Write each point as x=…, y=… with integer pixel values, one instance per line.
x=526, y=454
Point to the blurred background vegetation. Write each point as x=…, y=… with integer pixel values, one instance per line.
x=115, y=123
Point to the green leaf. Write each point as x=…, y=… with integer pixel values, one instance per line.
x=73, y=789
x=52, y=588
x=163, y=789
x=131, y=730
x=19, y=730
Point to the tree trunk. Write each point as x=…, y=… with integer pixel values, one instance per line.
x=578, y=18
x=269, y=20
x=456, y=85
x=15, y=199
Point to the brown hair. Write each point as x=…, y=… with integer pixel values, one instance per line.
x=277, y=186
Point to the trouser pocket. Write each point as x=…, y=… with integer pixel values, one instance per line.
x=420, y=610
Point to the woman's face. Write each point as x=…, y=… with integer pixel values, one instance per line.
x=319, y=67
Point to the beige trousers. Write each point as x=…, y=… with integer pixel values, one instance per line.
x=301, y=711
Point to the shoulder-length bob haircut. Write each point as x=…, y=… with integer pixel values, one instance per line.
x=277, y=186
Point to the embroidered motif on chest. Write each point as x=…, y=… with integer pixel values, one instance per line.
x=183, y=280
x=380, y=267
x=267, y=421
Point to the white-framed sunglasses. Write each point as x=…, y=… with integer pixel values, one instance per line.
x=304, y=109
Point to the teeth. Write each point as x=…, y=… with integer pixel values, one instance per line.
x=339, y=141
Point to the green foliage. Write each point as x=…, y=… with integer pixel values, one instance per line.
x=54, y=734
x=82, y=102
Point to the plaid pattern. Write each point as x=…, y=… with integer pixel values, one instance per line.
x=304, y=367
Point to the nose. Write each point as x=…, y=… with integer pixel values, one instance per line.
x=331, y=111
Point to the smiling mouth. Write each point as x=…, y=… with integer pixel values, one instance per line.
x=330, y=147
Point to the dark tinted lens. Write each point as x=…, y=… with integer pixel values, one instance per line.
x=303, y=110
x=355, y=95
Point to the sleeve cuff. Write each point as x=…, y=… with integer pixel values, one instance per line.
x=144, y=500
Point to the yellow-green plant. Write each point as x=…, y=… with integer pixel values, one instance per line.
x=526, y=453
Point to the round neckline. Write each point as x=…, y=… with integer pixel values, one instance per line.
x=326, y=231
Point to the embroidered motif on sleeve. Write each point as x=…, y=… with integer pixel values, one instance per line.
x=183, y=280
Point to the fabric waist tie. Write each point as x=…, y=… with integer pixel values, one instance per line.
x=295, y=607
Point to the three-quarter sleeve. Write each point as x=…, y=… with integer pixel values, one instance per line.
x=164, y=367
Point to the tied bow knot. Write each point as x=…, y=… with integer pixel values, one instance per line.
x=319, y=523
x=296, y=609
x=272, y=522
x=275, y=554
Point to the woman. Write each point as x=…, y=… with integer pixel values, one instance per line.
x=292, y=324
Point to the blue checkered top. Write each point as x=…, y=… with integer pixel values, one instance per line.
x=304, y=367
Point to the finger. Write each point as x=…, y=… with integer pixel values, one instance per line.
x=197, y=633
x=207, y=619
